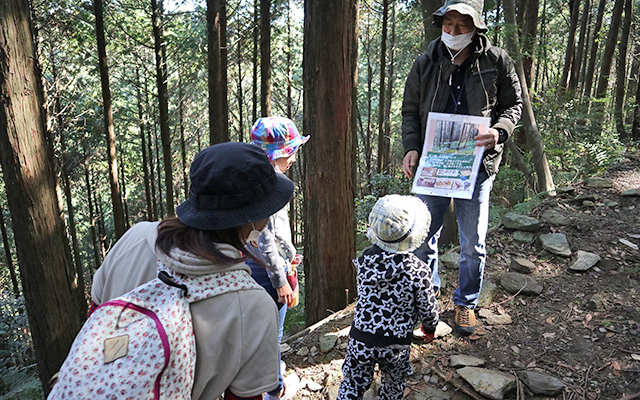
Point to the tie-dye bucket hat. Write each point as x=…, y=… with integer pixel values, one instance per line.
x=278, y=136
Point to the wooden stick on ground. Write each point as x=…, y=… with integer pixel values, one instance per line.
x=631, y=396
x=458, y=385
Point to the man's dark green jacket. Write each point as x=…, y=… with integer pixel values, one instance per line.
x=492, y=89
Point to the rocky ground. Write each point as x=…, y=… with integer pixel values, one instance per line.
x=559, y=313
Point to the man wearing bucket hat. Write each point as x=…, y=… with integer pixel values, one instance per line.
x=394, y=291
x=234, y=190
x=462, y=73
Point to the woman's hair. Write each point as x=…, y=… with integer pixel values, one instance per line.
x=173, y=233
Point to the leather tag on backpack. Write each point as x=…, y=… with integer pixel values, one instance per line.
x=115, y=348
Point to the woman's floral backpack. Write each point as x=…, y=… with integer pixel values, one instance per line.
x=141, y=345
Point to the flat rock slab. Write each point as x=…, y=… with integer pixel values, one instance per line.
x=522, y=265
x=450, y=260
x=556, y=218
x=513, y=282
x=492, y=384
x=524, y=237
x=584, y=261
x=540, y=383
x=463, y=360
x=327, y=341
x=596, y=182
x=519, y=222
x=487, y=293
x=631, y=193
x=556, y=243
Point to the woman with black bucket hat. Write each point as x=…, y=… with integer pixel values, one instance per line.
x=234, y=190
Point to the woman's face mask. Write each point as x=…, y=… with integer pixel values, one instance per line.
x=457, y=42
x=254, y=235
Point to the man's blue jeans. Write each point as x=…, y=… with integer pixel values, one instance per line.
x=473, y=222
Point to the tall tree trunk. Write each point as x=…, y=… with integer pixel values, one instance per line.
x=158, y=168
x=254, y=59
x=66, y=180
x=53, y=299
x=621, y=79
x=609, y=49
x=240, y=95
x=143, y=149
x=367, y=135
x=635, y=128
x=571, y=44
x=495, y=33
x=289, y=63
x=124, y=189
x=218, y=129
x=224, y=71
x=92, y=218
x=70, y=209
x=577, y=62
x=529, y=33
x=150, y=145
x=265, y=58
x=389, y=89
x=431, y=31
x=383, y=142
x=184, y=165
x=593, y=54
x=539, y=158
x=160, y=48
x=329, y=71
x=8, y=256
x=116, y=200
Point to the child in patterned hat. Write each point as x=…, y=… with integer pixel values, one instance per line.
x=394, y=292
x=280, y=139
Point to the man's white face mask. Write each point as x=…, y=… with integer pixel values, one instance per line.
x=457, y=42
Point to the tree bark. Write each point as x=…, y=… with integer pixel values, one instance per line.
x=621, y=76
x=124, y=189
x=143, y=149
x=329, y=72
x=160, y=48
x=383, y=142
x=218, y=129
x=265, y=57
x=539, y=158
x=530, y=32
x=55, y=308
x=254, y=59
x=577, y=63
x=116, y=200
x=92, y=218
x=571, y=44
x=635, y=128
x=588, y=79
x=609, y=49
x=184, y=165
x=8, y=257
x=431, y=31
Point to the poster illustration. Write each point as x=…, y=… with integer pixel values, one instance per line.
x=450, y=160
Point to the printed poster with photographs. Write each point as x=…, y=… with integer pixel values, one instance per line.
x=450, y=160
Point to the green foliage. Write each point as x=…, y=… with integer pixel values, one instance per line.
x=18, y=378
x=20, y=384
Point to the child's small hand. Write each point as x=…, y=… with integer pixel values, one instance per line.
x=428, y=337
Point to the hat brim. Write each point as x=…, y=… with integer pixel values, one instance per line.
x=464, y=9
x=289, y=149
x=208, y=220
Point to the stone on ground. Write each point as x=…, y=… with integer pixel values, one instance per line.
x=584, y=261
x=540, y=383
x=556, y=243
x=492, y=384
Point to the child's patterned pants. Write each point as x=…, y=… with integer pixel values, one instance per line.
x=359, y=364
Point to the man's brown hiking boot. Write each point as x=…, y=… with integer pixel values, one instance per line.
x=465, y=322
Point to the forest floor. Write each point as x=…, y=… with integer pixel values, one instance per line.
x=591, y=343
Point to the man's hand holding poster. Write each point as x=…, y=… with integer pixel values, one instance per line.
x=450, y=160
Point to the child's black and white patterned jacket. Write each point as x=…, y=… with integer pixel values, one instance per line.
x=394, y=292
